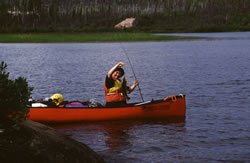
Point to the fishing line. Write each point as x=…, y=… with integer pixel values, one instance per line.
x=132, y=69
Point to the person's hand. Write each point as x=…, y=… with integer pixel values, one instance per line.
x=136, y=82
x=120, y=64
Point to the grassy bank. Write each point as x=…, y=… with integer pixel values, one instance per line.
x=84, y=37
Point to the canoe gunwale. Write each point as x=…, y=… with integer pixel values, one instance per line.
x=138, y=104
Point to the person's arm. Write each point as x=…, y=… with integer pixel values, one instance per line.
x=132, y=87
x=120, y=64
x=109, y=82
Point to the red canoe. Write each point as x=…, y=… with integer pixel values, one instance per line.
x=170, y=107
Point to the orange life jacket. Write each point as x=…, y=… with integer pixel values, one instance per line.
x=114, y=94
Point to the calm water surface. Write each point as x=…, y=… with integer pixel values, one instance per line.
x=213, y=73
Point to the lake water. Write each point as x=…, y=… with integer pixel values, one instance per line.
x=213, y=73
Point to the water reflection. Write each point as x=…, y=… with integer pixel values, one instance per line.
x=116, y=134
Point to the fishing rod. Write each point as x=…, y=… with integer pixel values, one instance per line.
x=132, y=69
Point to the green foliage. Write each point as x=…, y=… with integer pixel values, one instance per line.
x=14, y=95
x=152, y=15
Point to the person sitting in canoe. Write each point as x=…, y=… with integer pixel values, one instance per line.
x=115, y=90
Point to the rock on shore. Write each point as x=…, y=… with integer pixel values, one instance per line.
x=34, y=142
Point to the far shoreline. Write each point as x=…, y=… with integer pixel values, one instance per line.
x=58, y=37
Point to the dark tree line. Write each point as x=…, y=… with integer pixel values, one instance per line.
x=78, y=15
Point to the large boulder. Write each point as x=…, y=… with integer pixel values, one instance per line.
x=34, y=142
x=127, y=23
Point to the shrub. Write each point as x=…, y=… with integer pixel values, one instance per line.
x=14, y=95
